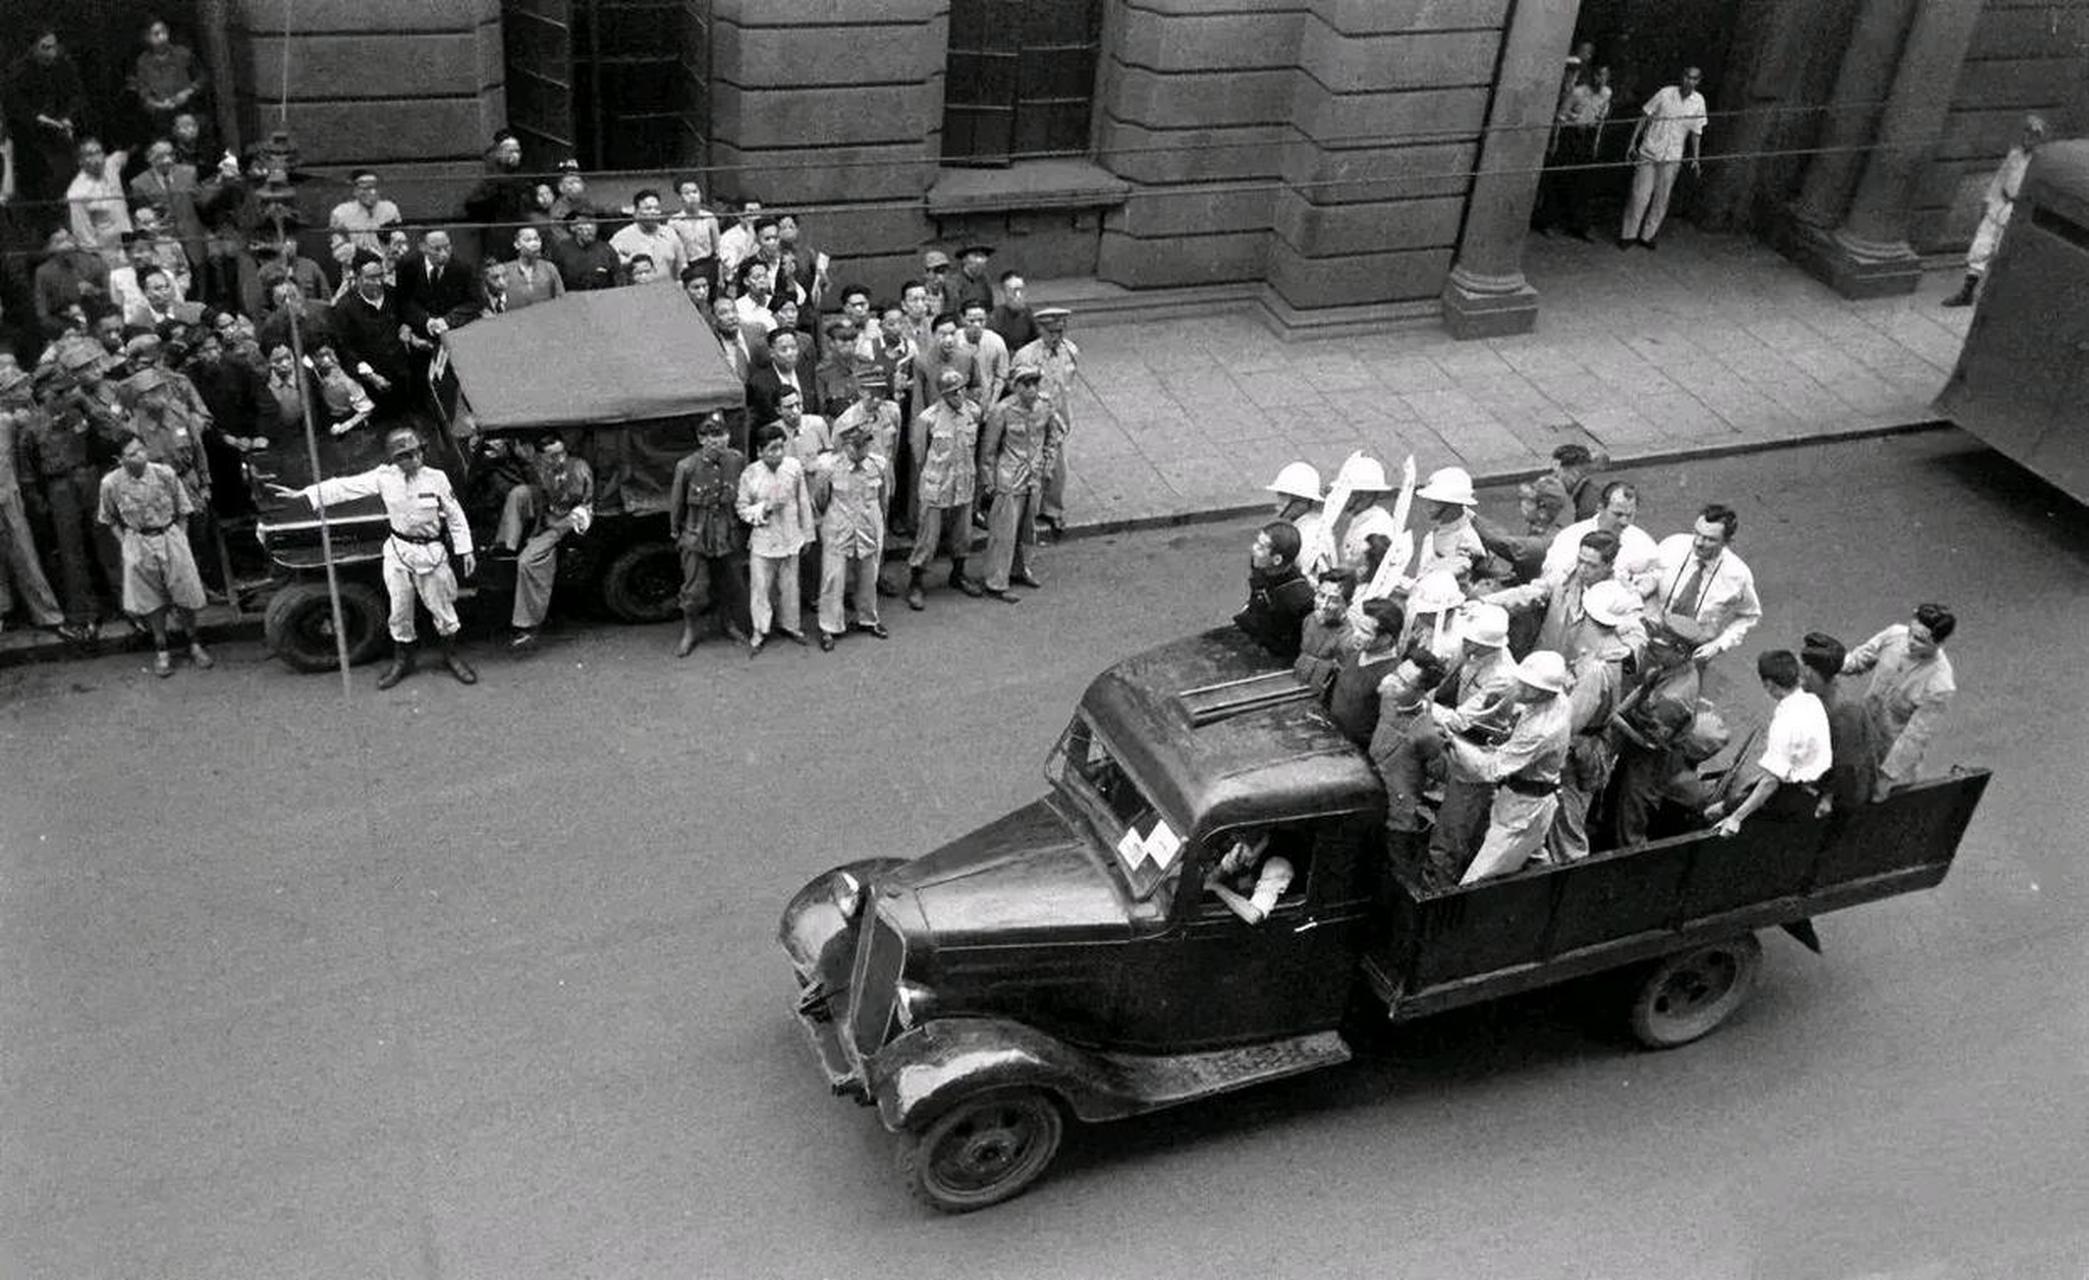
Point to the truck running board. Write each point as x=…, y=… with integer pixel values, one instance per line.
x=1163, y=1081
x=1213, y=702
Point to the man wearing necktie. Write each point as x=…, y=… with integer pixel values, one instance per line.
x=1702, y=590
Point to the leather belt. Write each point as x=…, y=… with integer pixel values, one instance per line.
x=426, y=540
x=1526, y=787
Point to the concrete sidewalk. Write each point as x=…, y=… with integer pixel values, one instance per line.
x=1710, y=343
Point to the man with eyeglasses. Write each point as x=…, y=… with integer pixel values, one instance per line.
x=421, y=507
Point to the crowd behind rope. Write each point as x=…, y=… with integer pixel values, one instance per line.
x=170, y=278
x=1530, y=694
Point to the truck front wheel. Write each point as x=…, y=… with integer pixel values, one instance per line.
x=1684, y=997
x=299, y=624
x=986, y=1149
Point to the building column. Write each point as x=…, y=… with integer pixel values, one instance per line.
x=1486, y=295
x=1868, y=256
x=1861, y=84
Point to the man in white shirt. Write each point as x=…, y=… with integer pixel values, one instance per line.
x=1248, y=879
x=100, y=213
x=1995, y=208
x=1796, y=754
x=1637, y=549
x=990, y=356
x=694, y=225
x=649, y=235
x=421, y=507
x=1671, y=125
x=358, y=223
x=1701, y=589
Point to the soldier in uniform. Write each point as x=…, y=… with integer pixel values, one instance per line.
x=708, y=533
x=20, y=573
x=65, y=446
x=1481, y=697
x=946, y=442
x=850, y=492
x=421, y=506
x=1017, y=449
x=1060, y=359
x=148, y=507
x=1524, y=772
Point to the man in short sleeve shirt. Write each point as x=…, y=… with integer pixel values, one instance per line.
x=1671, y=125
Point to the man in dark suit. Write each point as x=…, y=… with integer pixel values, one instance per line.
x=767, y=383
x=372, y=350
x=171, y=189
x=437, y=293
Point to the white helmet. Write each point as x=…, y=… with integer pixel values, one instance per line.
x=1297, y=480
x=1611, y=603
x=1435, y=592
x=1543, y=669
x=1363, y=474
x=1486, y=625
x=1452, y=485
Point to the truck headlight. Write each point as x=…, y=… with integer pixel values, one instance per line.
x=846, y=892
x=912, y=1004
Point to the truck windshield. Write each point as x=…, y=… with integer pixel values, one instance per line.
x=1147, y=848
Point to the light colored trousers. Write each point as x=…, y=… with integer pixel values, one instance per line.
x=841, y=572
x=773, y=590
x=1515, y=829
x=1011, y=535
x=1652, y=180
x=437, y=590
x=1986, y=239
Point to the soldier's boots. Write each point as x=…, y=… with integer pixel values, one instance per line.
x=1964, y=296
x=915, y=599
x=963, y=583
x=402, y=665
x=456, y=663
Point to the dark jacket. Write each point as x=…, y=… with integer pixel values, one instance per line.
x=1277, y=607
x=450, y=295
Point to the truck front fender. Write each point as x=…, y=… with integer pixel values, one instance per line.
x=923, y=1073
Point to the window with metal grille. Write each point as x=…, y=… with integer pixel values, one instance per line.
x=1021, y=79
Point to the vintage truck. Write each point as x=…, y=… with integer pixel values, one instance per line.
x=1064, y=960
x=622, y=375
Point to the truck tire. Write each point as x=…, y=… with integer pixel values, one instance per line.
x=643, y=583
x=986, y=1149
x=299, y=624
x=1685, y=997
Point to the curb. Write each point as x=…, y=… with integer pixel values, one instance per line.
x=218, y=624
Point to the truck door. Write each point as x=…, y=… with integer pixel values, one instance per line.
x=1211, y=978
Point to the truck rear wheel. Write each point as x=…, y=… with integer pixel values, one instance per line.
x=986, y=1149
x=643, y=583
x=299, y=624
x=1685, y=997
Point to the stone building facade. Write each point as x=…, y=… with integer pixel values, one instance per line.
x=1336, y=162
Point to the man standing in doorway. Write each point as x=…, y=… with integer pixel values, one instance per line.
x=1996, y=206
x=1671, y=125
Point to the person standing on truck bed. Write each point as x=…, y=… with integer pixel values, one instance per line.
x=1702, y=588
x=561, y=500
x=1352, y=698
x=1324, y=636
x=1407, y=749
x=1596, y=670
x=1853, y=768
x=420, y=506
x=1248, y=879
x=1796, y=750
x=1911, y=684
x=1525, y=769
x=1562, y=598
x=1658, y=708
x=1279, y=597
x=1481, y=697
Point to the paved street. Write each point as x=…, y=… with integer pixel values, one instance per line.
x=480, y=982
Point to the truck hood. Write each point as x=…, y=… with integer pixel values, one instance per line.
x=1030, y=873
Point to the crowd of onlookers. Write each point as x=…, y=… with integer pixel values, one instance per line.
x=1542, y=686
x=203, y=302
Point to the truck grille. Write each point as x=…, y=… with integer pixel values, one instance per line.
x=875, y=984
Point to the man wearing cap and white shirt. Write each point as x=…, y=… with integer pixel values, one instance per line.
x=1671, y=123
x=420, y=507
x=1481, y=697
x=1796, y=750
x=1017, y=447
x=945, y=437
x=1702, y=589
x=1637, y=549
x=1524, y=770
x=1596, y=679
x=1059, y=358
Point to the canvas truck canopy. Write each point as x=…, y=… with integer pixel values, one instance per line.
x=641, y=358
x=601, y=358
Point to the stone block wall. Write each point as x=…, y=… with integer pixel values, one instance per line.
x=833, y=107
x=411, y=88
x=1323, y=145
x=2027, y=55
